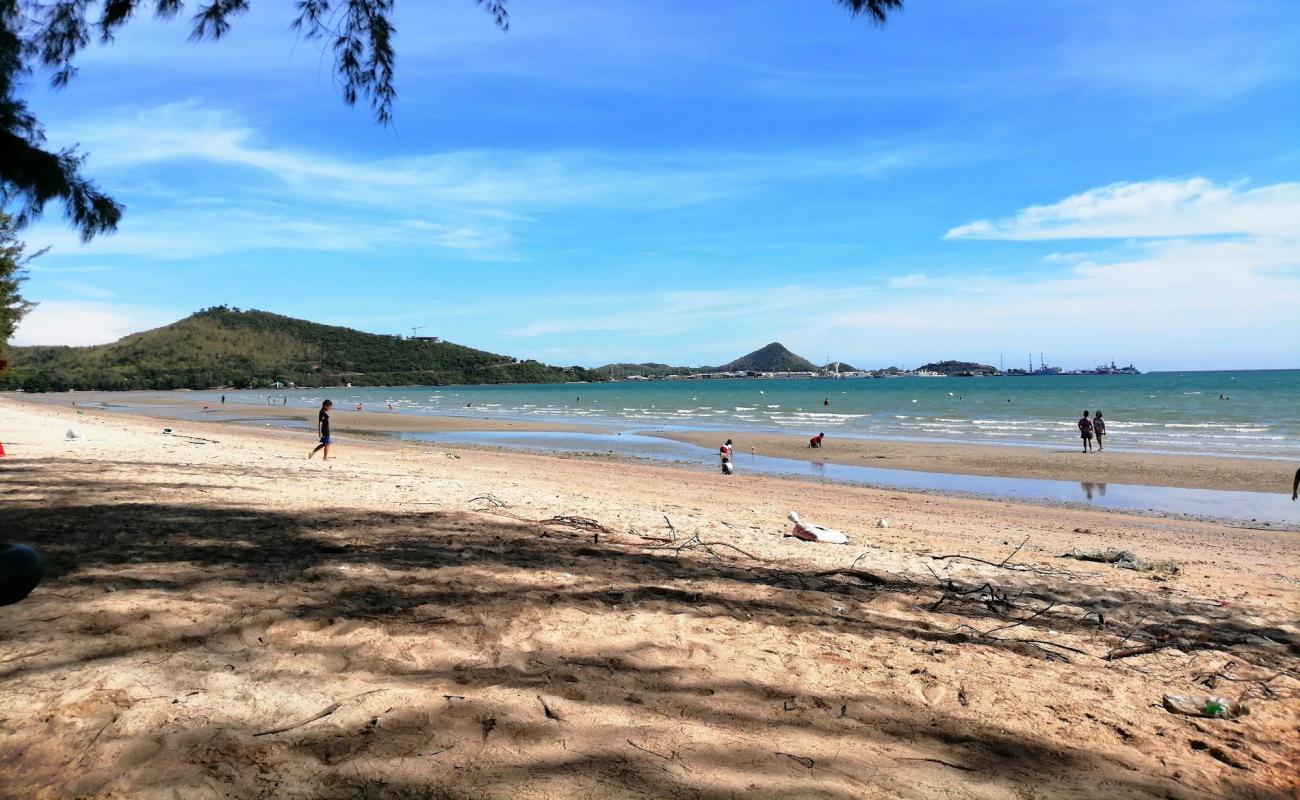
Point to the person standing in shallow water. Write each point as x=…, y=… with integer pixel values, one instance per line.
x=323, y=428
x=1085, y=432
x=1098, y=429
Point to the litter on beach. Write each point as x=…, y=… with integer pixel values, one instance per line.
x=816, y=533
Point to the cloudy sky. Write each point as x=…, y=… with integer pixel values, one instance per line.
x=685, y=182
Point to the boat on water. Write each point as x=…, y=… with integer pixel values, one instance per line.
x=1103, y=369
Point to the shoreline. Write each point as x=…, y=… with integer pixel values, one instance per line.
x=1223, y=473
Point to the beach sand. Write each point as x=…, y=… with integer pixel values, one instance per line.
x=224, y=618
x=1065, y=463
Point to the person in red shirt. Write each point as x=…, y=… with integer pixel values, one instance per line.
x=816, y=441
x=1085, y=432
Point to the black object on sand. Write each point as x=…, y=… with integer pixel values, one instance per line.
x=21, y=568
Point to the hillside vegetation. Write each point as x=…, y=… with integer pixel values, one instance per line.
x=221, y=346
x=960, y=368
x=770, y=358
x=774, y=357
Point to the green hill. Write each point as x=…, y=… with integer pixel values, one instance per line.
x=650, y=370
x=227, y=347
x=959, y=368
x=772, y=358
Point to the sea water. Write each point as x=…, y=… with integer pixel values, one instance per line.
x=1172, y=412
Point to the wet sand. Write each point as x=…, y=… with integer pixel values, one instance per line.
x=224, y=618
x=1065, y=463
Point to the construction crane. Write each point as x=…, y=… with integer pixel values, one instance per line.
x=417, y=328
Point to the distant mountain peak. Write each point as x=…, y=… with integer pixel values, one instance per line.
x=773, y=357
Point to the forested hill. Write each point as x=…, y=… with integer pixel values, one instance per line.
x=221, y=346
x=771, y=358
x=959, y=368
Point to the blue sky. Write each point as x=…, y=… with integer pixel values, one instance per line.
x=685, y=182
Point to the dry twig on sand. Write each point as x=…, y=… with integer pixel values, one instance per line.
x=696, y=543
x=1005, y=563
x=651, y=752
x=550, y=714
x=803, y=760
x=863, y=575
x=490, y=499
x=580, y=523
x=325, y=712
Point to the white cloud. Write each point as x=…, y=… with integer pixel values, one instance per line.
x=1183, y=303
x=907, y=281
x=488, y=179
x=201, y=232
x=241, y=191
x=1193, y=300
x=667, y=313
x=56, y=322
x=84, y=289
x=1159, y=209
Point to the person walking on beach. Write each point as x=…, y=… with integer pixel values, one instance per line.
x=1085, y=432
x=1295, y=485
x=1098, y=429
x=323, y=428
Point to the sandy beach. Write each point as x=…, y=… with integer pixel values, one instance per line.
x=222, y=617
x=1065, y=463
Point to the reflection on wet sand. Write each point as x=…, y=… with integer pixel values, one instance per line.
x=1089, y=488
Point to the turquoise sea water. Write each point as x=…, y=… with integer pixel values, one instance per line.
x=1179, y=412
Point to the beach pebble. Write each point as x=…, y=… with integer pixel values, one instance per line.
x=882, y=523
